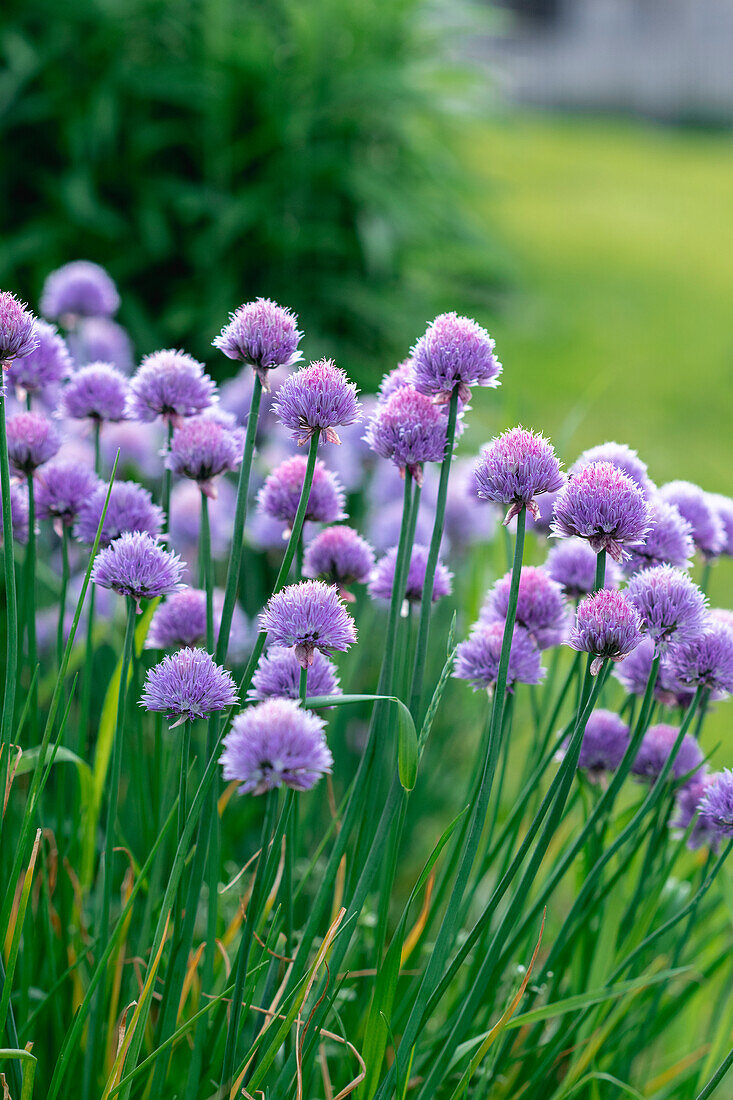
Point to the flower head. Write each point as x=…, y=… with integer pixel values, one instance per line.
x=308, y=616
x=32, y=440
x=454, y=352
x=63, y=487
x=316, y=400
x=79, y=289
x=695, y=506
x=408, y=429
x=276, y=743
x=656, y=748
x=669, y=541
x=340, y=556
x=280, y=495
x=622, y=457
x=705, y=660
x=401, y=375
x=381, y=581
x=605, y=740
x=188, y=685
x=44, y=365
x=607, y=625
x=278, y=675
x=689, y=807
x=603, y=505
x=130, y=508
x=477, y=659
x=724, y=508
x=17, y=328
x=672, y=606
x=181, y=622
x=171, y=384
x=717, y=803
x=19, y=513
x=98, y=392
x=633, y=672
x=101, y=340
x=202, y=448
x=136, y=565
x=541, y=606
x=572, y=563
x=263, y=334
x=515, y=468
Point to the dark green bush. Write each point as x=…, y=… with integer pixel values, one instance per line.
x=210, y=150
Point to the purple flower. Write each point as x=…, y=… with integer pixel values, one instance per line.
x=130, y=508
x=606, y=625
x=136, y=565
x=276, y=743
x=722, y=615
x=278, y=676
x=724, y=508
x=44, y=365
x=202, y=448
x=633, y=672
x=79, y=289
x=340, y=556
x=477, y=659
x=101, y=340
x=181, y=622
x=17, y=328
x=515, y=468
x=669, y=541
x=63, y=488
x=308, y=616
x=18, y=511
x=695, y=506
x=454, y=352
x=317, y=399
x=656, y=747
x=32, y=440
x=408, y=429
x=717, y=803
x=572, y=563
x=605, y=741
x=689, y=807
x=188, y=685
x=381, y=581
x=280, y=494
x=171, y=384
x=672, y=607
x=603, y=505
x=705, y=660
x=96, y=392
x=263, y=334
x=541, y=606
x=622, y=457
x=402, y=375
x=139, y=448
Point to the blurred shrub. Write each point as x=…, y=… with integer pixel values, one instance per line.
x=210, y=150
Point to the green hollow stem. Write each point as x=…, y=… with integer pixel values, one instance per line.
x=95, y=1023
x=86, y=689
x=165, y=498
x=207, y=571
x=11, y=601
x=62, y=594
x=182, y=810
x=30, y=606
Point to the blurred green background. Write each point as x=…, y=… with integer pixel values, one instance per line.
x=357, y=161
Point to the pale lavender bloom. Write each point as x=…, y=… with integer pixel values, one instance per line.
x=572, y=563
x=705, y=660
x=694, y=506
x=101, y=340
x=689, y=806
x=139, y=448
x=131, y=508
x=724, y=508
x=276, y=743
x=181, y=622
x=185, y=518
x=633, y=672
x=188, y=685
x=316, y=400
x=722, y=615
x=607, y=625
x=717, y=803
x=136, y=565
x=477, y=658
x=79, y=289
x=603, y=505
x=622, y=457
x=280, y=495
x=202, y=448
x=516, y=467
x=541, y=606
x=669, y=541
x=401, y=375
x=454, y=352
x=409, y=430
x=18, y=511
x=263, y=334
x=381, y=581
x=605, y=741
x=62, y=488
x=340, y=556
x=308, y=616
x=656, y=747
x=44, y=365
x=96, y=392
x=672, y=606
x=32, y=440
x=278, y=676
x=17, y=328
x=171, y=384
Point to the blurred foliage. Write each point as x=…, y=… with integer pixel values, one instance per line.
x=207, y=151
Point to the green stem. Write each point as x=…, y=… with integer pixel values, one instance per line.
x=207, y=571
x=97, y=448
x=182, y=810
x=11, y=614
x=62, y=595
x=30, y=606
x=86, y=694
x=165, y=500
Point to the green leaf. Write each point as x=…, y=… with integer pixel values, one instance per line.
x=58, y=754
x=407, y=754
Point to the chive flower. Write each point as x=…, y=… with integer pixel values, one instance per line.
x=408, y=429
x=717, y=803
x=340, y=556
x=603, y=505
x=723, y=506
x=136, y=565
x=382, y=578
x=97, y=392
x=705, y=660
x=62, y=489
x=79, y=289
x=605, y=741
x=695, y=506
x=130, y=508
x=32, y=441
x=19, y=513
x=101, y=340
x=672, y=607
x=455, y=353
x=280, y=495
x=263, y=334
x=669, y=541
x=202, y=448
x=656, y=747
x=633, y=673
x=477, y=658
x=622, y=457
x=572, y=564
x=306, y=617
x=607, y=625
x=515, y=468
x=401, y=375
x=44, y=365
x=688, y=805
x=278, y=675
x=316, y=400
x=180, y=622
x=274, y=744
x=541, y=606
x=188, y=685
x=17, y=328
x=171, y=384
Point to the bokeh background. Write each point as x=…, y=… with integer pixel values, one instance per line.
x=560, y=169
